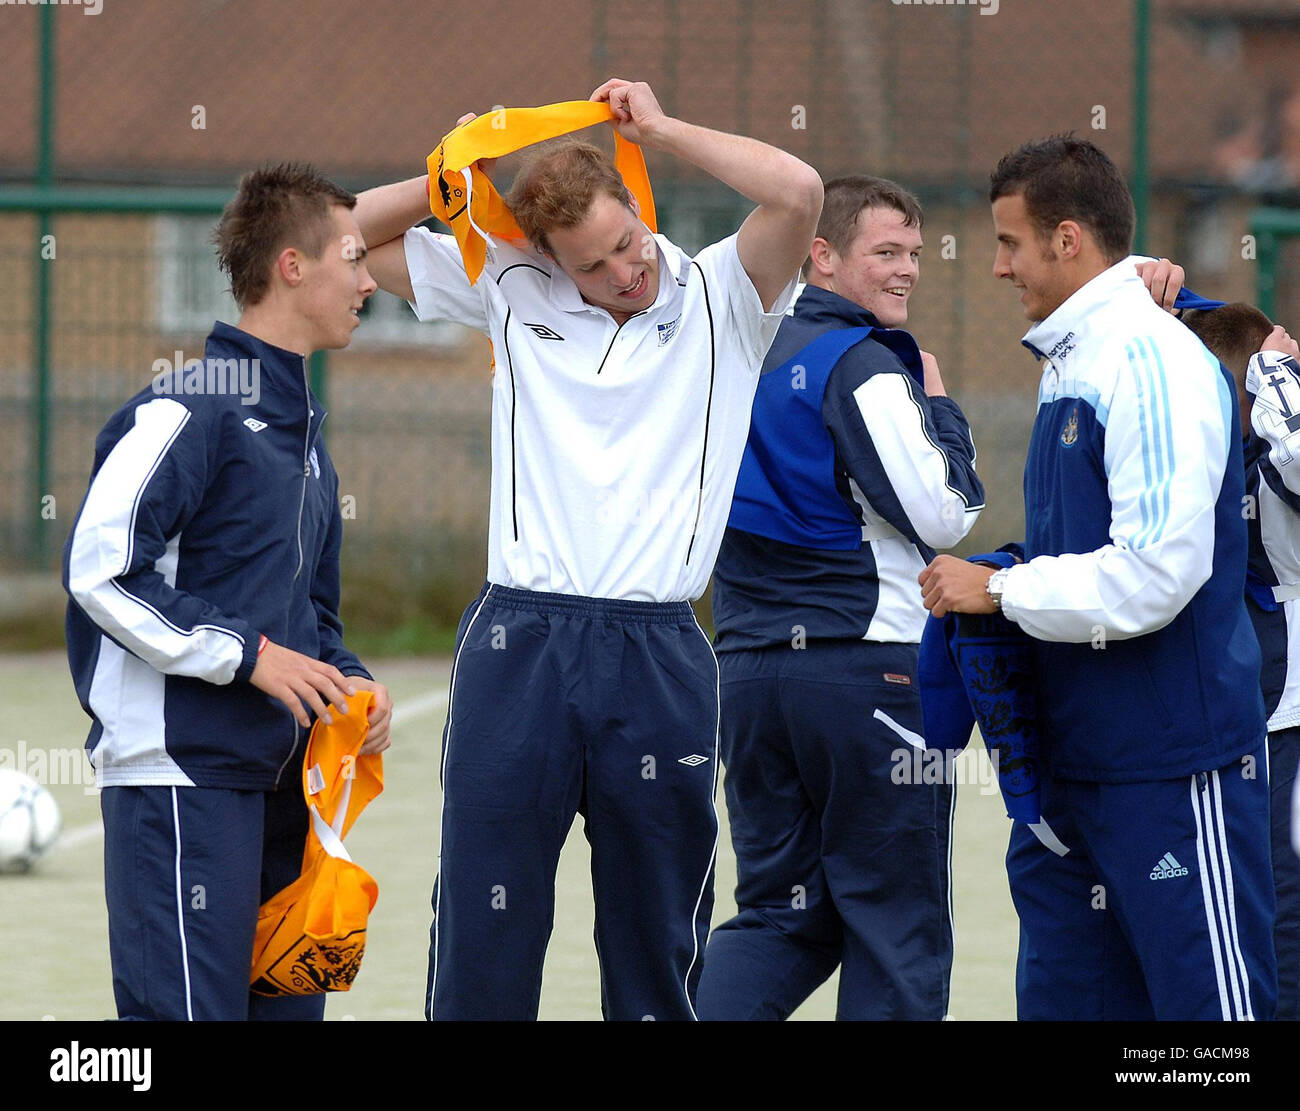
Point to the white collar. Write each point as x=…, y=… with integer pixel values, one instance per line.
x=1120, y=280
x=673, y=262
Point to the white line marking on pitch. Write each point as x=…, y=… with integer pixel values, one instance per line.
x=417, y=707
x=79, y=836
x=407, y=711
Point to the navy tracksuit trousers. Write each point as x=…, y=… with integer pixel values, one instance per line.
x=842, y=854
x=564, y=705
x=1154, y=902
x=1283, y=756
x=185, y=870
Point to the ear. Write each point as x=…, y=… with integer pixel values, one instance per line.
x=289, y=266
x=1068, y=239
x=823, y=257
x=633, y=203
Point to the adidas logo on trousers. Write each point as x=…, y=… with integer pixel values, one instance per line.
x=1167, y=868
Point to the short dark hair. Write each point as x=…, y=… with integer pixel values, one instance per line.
x=557, y=186
x=1233, y=333
x=846, y=197
x=1067, y=178
x=281, y=206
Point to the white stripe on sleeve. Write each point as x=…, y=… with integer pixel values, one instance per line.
x=102, y=549
x=438, y=280
x=914, y=464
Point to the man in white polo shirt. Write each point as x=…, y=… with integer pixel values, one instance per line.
x=625, y=372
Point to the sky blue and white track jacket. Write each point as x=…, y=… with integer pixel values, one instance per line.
x=1147, y=663
x=1273, y=481
x=851, y=478
x=208, y=523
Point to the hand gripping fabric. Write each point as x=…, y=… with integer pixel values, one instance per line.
x=311, y=936
x=463, y=198
x=979, y=668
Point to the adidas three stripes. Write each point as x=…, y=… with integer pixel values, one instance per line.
x=1161, y=907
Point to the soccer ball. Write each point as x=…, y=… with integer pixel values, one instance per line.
x=29, y=821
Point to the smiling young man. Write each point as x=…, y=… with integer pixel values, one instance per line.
x=203, y=628
x=858, y=466
x=1154, y=897
x=625, y=371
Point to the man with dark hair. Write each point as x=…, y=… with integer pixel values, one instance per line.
x=203, y=628
x=1262, y=358
x=1146, y=890
x=625, y=371
x=858, y=466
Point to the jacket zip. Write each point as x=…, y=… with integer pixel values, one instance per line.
x=280, y=774
x=302, y=501
x=306, y=466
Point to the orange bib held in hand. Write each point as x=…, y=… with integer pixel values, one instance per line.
x=311, y=936
x=463, y=198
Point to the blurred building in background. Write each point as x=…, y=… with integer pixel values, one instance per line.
x=183, y=97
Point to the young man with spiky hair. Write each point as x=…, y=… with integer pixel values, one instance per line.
x=1265, y=361
x=858, y=466
x=625, y=371
x=203, y=627
x=1146, y=890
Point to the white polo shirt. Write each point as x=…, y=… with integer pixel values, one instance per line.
x=615, y=448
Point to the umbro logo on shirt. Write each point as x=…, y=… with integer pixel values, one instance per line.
x=542, y=331
x=254, y=425
x=1167, y=868
x=694, y=760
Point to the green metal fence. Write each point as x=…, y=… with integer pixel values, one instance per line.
x=1272, y=228
x=103, y=223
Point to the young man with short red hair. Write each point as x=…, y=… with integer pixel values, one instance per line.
x=625, y=371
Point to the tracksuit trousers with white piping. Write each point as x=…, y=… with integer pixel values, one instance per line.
x=1161, y=907
x=842, y=839
x=185, y=870
x=564, y=705
x=1283, y=758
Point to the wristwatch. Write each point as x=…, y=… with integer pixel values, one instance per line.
x=996, y=584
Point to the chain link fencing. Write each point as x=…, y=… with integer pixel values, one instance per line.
x=168, y=103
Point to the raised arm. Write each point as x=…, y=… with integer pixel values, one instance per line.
x=910, y=452
x=383, y=214
x=775, y=237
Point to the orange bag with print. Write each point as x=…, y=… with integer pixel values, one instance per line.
x=311, y=936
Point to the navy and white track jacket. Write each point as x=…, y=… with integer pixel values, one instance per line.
x=851, y=478
x=208, y=523
x=1147, y=664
